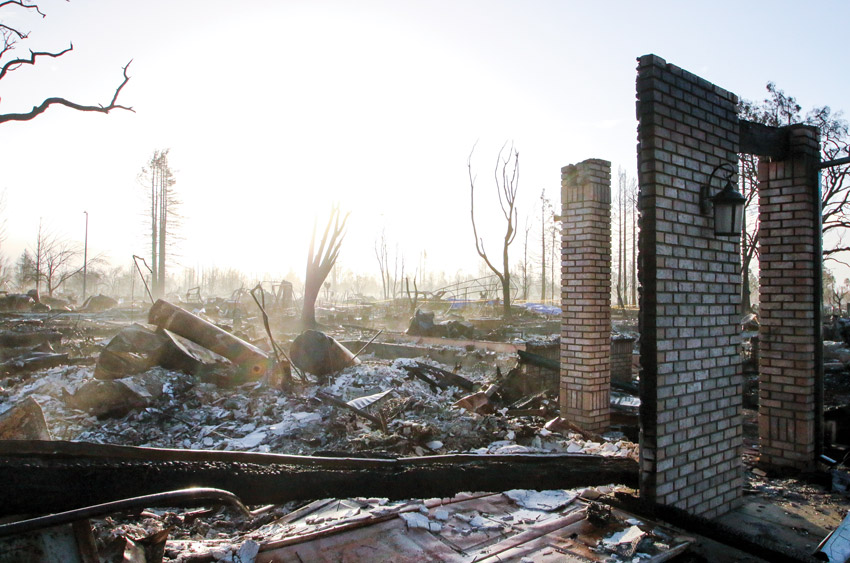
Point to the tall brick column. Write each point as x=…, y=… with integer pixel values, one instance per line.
x=690, y=279
x=586, y=294
x=790, y=367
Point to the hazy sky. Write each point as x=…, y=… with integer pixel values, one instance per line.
x=273, y=110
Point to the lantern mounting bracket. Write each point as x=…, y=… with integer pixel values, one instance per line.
x=705, y=197
x=727, y=205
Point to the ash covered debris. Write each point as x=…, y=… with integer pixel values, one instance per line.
x=176, y=394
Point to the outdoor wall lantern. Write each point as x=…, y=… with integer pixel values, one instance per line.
x=728, y=205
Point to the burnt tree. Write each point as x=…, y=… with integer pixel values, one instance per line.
x=9, y=39
x=320, y=263
x=54, y=257
x=158, y=177
x=506, y=176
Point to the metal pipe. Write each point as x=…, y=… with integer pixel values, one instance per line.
x=195, y=496
x=836, y=162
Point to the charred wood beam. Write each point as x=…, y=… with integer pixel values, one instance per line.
x=442, y=378
x=57, y=476
x=537, y=360
x=32, y=361
x=9, y=339
x=763, y=140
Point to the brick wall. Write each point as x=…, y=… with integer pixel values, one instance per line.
x=690, y=282
x=586, y=294
x=621, y=359
x=790, y=376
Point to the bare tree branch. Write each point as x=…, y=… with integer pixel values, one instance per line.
x=834, y=259
x=22, y=5
x=479, y=242
x=8, y=37
x=79, y=107
x=13, y=31
x=778, y=109
x=16, y=63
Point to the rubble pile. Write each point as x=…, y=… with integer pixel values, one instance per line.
x=182, y=412
x=142, y=385
x=468, y=524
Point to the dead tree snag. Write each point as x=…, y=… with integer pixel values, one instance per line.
x=320, y=263
x=507, y=181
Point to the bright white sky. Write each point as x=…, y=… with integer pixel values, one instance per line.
x=274, y=110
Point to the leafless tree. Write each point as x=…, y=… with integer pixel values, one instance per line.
x=544, y=206
x=835, y=189
x=506, y=175
x=54, y=259
x=525, y=269
x=25, y=271
x=319, y=264
x=777, y=110
x=624, y=237
x=5, y=270
x=748, y=180
x=382, y=255
x=554, y=263
x=391, y=281
x=158, y=177
x=114, y=277
x=9, y=39
x=218, y=281
x=839, y=293
x=412, y=299
x=633, y=202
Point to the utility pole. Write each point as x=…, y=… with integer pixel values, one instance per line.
x=85, y=256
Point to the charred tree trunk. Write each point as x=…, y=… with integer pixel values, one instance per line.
x=154, y=233
x=319, y=264
x=543, y=247
x=634, y=252
x=506, y=293
x=254, y=361
x=163, y=222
